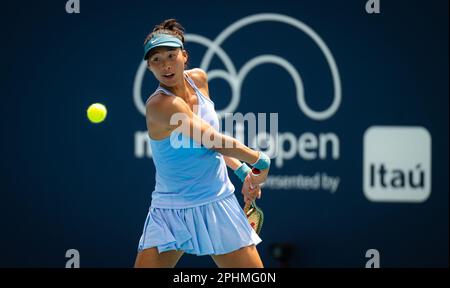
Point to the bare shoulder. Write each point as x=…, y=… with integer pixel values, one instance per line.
x=158, y=100
x=198, y=75
x=162, y=106
x=200, y=79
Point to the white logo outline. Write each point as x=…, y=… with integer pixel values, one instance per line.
x=235, y=79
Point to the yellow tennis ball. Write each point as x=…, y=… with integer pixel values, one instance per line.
x=96, y=113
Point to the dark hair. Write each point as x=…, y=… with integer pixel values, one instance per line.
x=170, y=27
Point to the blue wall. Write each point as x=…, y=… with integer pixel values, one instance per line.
x=66, y=183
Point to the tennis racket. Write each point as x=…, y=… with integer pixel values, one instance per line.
x=254, y=214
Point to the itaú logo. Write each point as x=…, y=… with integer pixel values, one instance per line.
x=397, y=164
x=236, y=78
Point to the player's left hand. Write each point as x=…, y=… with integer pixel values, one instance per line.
x=250, y=191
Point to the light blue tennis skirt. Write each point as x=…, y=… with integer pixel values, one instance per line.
x=215, y=228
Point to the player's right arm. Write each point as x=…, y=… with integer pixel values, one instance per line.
x=171, y=113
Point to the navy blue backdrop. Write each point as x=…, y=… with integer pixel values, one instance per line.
x=69, y=184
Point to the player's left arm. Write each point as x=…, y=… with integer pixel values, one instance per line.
x=232, y=163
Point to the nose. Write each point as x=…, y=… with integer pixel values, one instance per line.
x=166, y=66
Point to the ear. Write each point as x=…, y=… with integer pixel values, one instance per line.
x=185, y=55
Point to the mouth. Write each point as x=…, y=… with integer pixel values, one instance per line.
x=169, y=75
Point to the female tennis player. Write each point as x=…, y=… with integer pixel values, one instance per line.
x=193, y=207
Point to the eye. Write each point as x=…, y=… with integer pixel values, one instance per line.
x=155, y=59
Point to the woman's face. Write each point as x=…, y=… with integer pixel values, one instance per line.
x=167, y=64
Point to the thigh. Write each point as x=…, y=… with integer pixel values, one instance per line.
x=150, y=258
x=246, y=257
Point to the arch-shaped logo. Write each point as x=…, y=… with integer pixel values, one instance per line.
x=236, y=78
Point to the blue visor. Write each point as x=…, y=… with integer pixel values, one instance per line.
x=159, y=40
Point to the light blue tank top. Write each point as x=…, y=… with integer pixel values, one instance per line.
x=189, y=177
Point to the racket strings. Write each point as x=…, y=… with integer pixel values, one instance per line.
x=254, y=216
